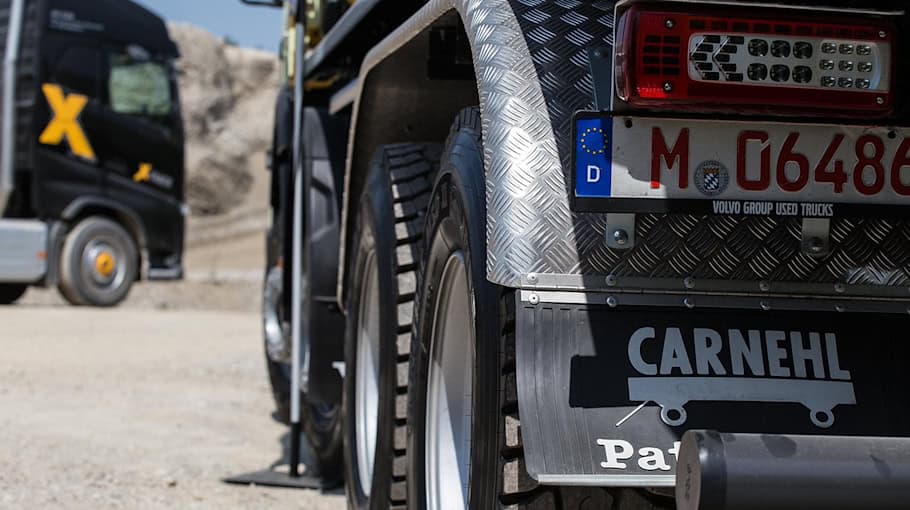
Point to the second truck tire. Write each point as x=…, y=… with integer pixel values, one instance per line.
x=465, y=448
x=11, y=292
x=98, y=264
x=380, y=301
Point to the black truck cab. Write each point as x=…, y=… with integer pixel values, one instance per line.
x=97, y=149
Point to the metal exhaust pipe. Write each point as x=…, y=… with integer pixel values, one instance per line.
x=762, y=471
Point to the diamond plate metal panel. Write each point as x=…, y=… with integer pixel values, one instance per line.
x=531, y=63
x=669, y=247
x=526, y=194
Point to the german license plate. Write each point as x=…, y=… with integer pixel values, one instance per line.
x=639, y=164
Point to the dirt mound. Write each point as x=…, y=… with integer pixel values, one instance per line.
x=228, y=97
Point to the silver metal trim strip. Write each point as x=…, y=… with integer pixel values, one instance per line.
x=344, y=97
x=775, y=5
x=8, y=123
x=336, y=35
x=609, y=480
x=771, y=302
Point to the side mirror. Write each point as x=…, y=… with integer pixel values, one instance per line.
x=264, y=3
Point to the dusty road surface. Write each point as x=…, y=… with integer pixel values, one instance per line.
x=135, y=408
x=147, y=405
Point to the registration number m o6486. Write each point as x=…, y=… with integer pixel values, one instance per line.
x=771, y=168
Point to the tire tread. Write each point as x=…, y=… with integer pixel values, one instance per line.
x=411, y=169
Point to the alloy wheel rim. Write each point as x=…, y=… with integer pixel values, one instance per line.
x=450, y=391
x=366, y=384
x=277, y=343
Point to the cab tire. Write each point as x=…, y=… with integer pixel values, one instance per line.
x=390, y=215
x=11, y=292
x=76, y=285
x=456, y=222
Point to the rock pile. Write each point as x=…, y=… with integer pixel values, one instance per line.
x=228, y=98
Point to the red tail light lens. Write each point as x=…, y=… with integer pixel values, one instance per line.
x=669, y=57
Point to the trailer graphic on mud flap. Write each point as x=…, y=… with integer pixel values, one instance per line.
x=747, y=351
x=673, y=393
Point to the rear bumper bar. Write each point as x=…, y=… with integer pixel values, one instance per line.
x=760, y=471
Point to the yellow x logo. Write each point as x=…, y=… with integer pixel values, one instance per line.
x=65, y=123
x=144, y=173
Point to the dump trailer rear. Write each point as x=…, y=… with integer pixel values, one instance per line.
x=91, y=162
x=567, y=233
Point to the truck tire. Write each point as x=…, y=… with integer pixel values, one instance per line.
x=321, y=423
x=380, y=301
x=11, y=292
x=465, y=447
x=98, y=264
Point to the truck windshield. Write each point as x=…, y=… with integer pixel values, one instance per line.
x=139, y=87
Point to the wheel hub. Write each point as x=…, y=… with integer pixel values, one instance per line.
x=105, y=263
x=450, y=391
x=277, y=342
x=101, y=261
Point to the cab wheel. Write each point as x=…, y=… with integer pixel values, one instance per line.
x=11, y=292
x=378, y=334
x=98, y=264
x=465, y=448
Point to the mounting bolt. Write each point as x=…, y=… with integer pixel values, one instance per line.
x=882, y=34
x=668, y=87
x=840, y=308
x=879, y=100
x=689, y=282
x=620, y=237
x=766, y=306
x=611, y=280
x=533, y=299
x=612, y=302
x=532, y=277
x=689, y=302
x=670, y=24
x=839, y=288
x=764, y=286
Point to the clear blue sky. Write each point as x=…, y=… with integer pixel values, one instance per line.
x=258, y=27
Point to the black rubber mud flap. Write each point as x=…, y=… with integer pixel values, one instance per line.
x=324, y=140
x=606, y=393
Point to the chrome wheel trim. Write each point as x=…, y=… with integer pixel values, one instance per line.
x=366, y=383
x=277, y=344
x=450, y=391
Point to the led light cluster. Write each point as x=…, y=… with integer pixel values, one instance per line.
x=804, y=62
x=791, y=61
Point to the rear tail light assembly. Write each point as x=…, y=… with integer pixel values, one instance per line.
x=754, y=59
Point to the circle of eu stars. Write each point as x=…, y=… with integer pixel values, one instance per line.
x=593, y=141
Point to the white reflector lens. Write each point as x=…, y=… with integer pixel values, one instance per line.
x=791, y=61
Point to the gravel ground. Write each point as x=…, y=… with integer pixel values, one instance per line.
x=136, y=409
x=148, y=405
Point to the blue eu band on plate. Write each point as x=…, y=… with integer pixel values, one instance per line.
x=593, y=157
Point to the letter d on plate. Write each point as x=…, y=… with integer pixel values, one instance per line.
x=593, y=157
